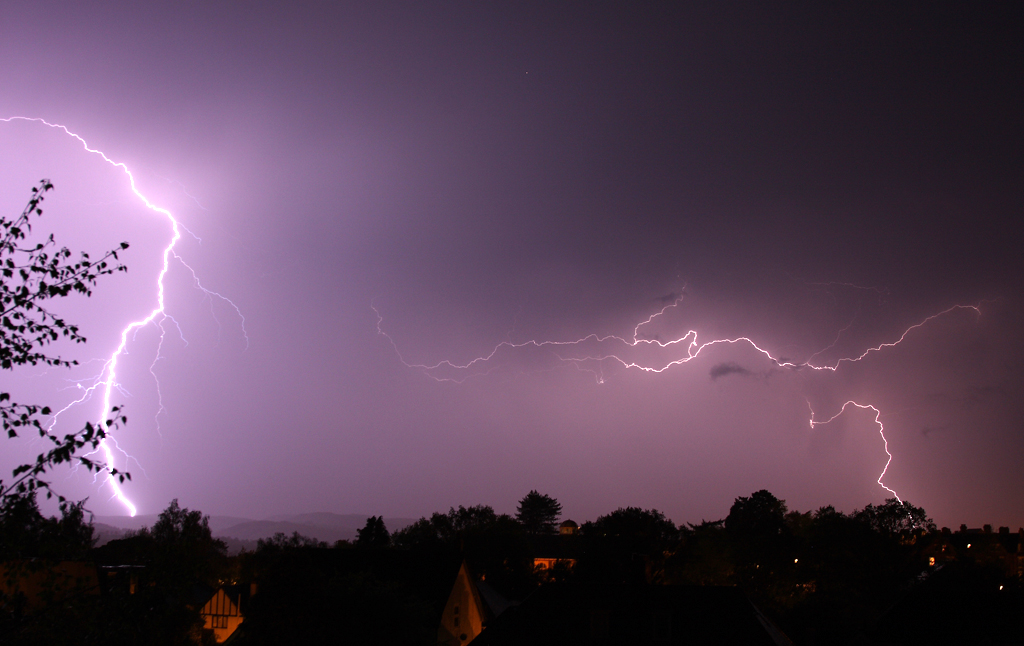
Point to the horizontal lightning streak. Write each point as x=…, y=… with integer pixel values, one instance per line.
x=692, y=349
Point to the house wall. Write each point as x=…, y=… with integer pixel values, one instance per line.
x=221, y=615
x=463, y=617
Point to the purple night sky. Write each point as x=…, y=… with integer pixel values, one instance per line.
x=816, y=179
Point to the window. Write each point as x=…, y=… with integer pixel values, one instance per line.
x=220, y=621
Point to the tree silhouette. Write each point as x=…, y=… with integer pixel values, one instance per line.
x=762, y=514
x=538, y=513
x=31, y=275
x=645, y=531
x=26, y=533
x=184, y=549
x=374, y=534
x=895, y=518
x=626, y=546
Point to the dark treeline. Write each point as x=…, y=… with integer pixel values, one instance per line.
x=882, y=574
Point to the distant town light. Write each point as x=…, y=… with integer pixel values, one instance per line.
x=796, y=560
x=968, y=546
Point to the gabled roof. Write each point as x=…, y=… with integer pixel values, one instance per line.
x=237, y=595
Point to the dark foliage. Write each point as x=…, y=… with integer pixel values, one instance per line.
x=641, y=530
x=184, y=549
x=823, y=576
x=896, y=519
x=538, y=513
x=26, y=533
x=315, y=595
x=495, y=546
x=879, y=574
x=704, y=556
x=179, y=563
x=761, y=515
x=76, y=602
x=963, y=603
x=281, y=541
x=626, y=546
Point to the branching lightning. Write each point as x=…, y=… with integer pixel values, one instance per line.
x=687, y=348
x=106, y=381
x=881, y=432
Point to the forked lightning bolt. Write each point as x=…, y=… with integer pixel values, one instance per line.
x=106, y=381
x=881, y=432
x=687, y=348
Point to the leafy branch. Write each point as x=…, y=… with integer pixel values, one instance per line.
x=30, y=275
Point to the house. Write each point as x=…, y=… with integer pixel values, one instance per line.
x=471, y=605
x=568, y=528
x=1003, y=550
x=544, y=564
x=223, y=613
x=555, y=556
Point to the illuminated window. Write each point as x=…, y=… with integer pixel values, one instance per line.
x=220, y=621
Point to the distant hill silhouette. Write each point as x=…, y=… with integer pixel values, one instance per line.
x=217, y=523
x=323, y=526
x=104, y=533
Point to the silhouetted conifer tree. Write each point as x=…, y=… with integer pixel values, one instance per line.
x=538, y=513
x=374, y=534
